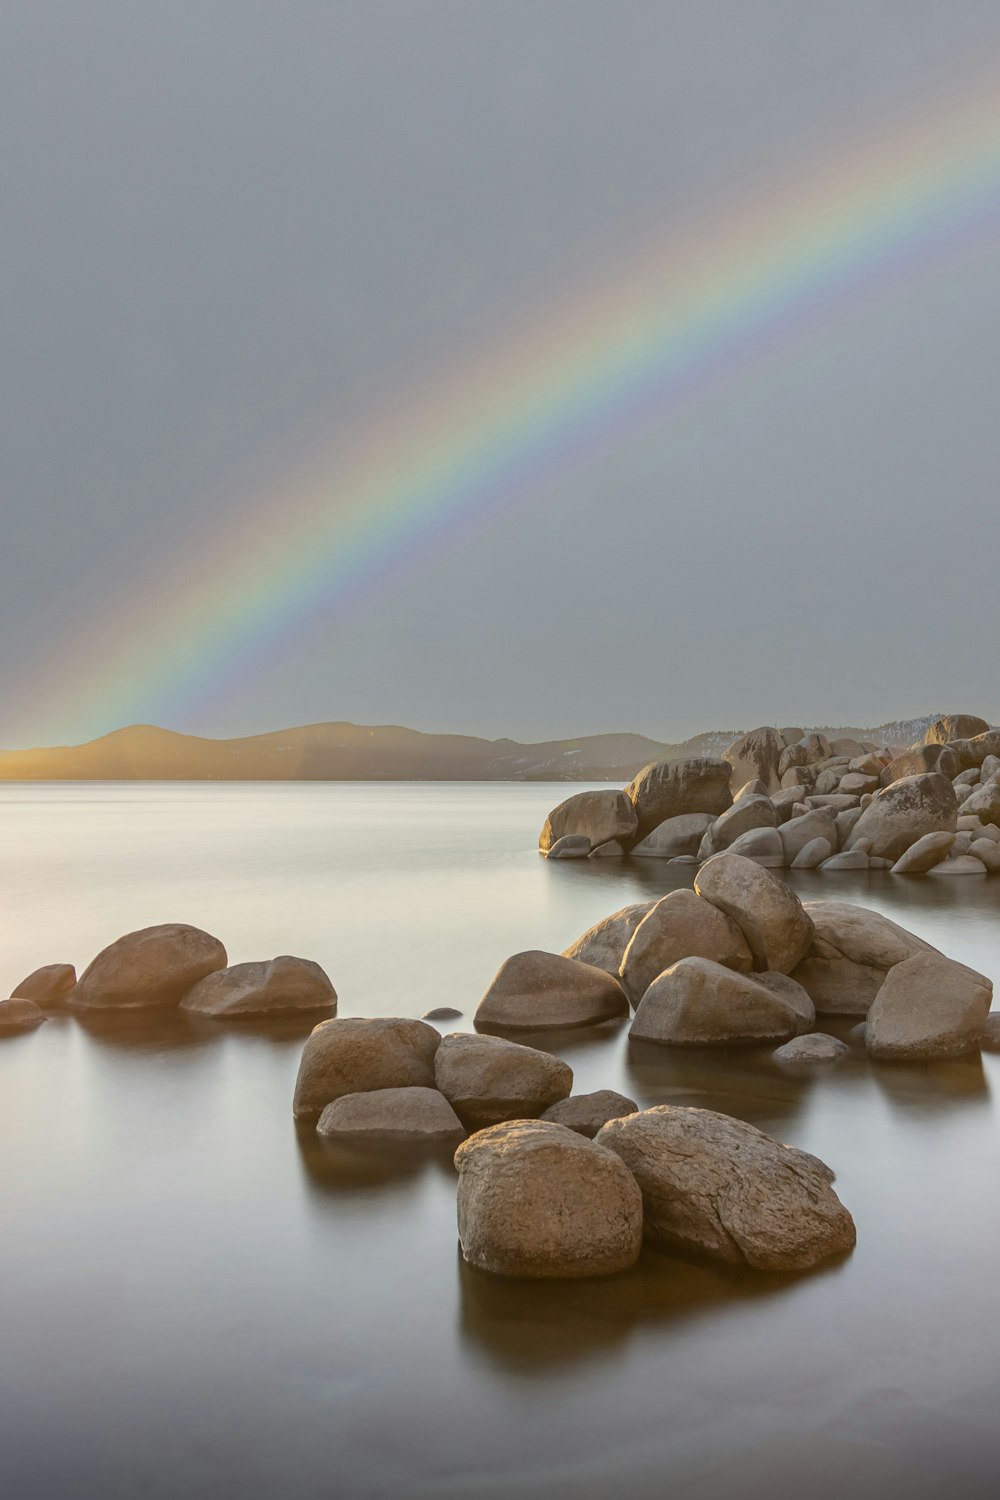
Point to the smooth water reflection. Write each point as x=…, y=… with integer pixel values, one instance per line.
x=201, y=1300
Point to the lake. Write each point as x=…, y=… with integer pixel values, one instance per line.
x=198, y=1300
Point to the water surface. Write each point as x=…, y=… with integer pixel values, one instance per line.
x=199, y=1301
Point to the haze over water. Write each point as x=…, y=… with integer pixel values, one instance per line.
x=200, y=1301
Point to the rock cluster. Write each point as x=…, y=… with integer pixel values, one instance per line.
x=787, y=799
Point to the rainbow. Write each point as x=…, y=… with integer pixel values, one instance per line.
x=688, y=311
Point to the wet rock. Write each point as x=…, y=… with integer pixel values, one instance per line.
x=720, y=1188
x=817, y=1047
x=358, y=1054
x=680, y=925
x=929, y=1007
x=49, y=986
x=442, y=1013
x=697, y=1003
x=534, y=990
x=487, y=1079
x=538, y=1200
x=402, y=1114
x=19, y=1015
x=156, y=966
x=277, y=986
x=666, y=788
x=597, y=816
x=570, y=846
x=604, y=944
x=588, y=1113
x=767, y=911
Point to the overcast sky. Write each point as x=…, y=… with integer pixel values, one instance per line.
x=228, y=224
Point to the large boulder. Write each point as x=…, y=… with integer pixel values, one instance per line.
x=902, y=813
x=976, y=751
x=487, y=1079
x=666, y=788
x=570, y=846
x=723, y=1189
x=983, y=803
x=851, y=952
x=756, y=756
x=277, y=986
x=763, y=846
x=674, y=837
x=817, y=1047
x=49, y=986
x=357, y=1054
x=766, y=910
x=924, y=854
x=920, y=759
x=155, y=966
x=588, y=1113
x=928, y=1007
x=697, y=1003
x=604, y=944
x=536, y=1199
x=680, y=925
x=796, y=833
x=746, y=815
x=20, y=1015
x=599, y=816
x=534, y=990
x=955, y=727
x=407, y=1114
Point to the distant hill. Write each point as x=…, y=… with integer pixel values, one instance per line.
x=383, y=752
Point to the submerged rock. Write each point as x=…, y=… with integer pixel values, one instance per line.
x=570, y=846
x=20, y=1015
x=674, y=837
x=538, y=1200
x=48, y=986
x=720, y=1188
x=442, y=1013
x=405, y=1114
x=276, y=986
x=358, y=1054
x=929, y=1007
x=156, y=966
x=816, y=1047
x=488, y=1079
x=534, y=990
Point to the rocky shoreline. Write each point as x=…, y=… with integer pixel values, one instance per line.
x=785, y=799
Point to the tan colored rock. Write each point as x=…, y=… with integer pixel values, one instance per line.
x=155, y=966
x=987, y=852
x=766, y=910
x=538, y=1200
x=487, y=1079
x=818, y=823
x=812, y=855
x=666, y=788
x=723, y=1189
x=958, y=864
x=924, y=854
x=570, y=846
x=991, y=1033
x=406, y=1114
x=983, y=803
x=745, y=815
x=847, y=859
x=604, y=944
x=276, y=986
x=792, y=994
x=857, y=783
x=680, y=925
x=919, y=760
x=763, y=846
x=358, y=1054
x=817, y=1047
x=851, y=953
x=675, y=836
x=955, y=727
x=755, y=757
x=611, y=850
x=904, y=812
x=588, y=1113
x=697, y=1003
x=20, y=1015
x=49, y=986
x=597, y=816
x=535, y=990
x=929, y=1007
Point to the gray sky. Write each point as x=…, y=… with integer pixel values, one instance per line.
x=228, y=224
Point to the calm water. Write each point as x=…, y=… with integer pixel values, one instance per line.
x=198, y=1302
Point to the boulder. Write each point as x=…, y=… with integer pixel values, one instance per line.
x=928, y=1007
x=442, y=1013
x=534, y=990
x=487, y=1079
x=597, y=816
x=588, y=1113
x=959, y=864
x=976, y=751
x=612, y=850
x=538, y=1200
x=983, y=803
x=791, y=735
x=990, y=768
x=20, y=1015
x=674, y=836
x=851, y=953
x=681, y=925
x=904, y=812
x=834, y=802
x=857, y=783
x=972, y=777
x=721, y=1188
x=866, y=765
x=847, y=748
x=920, y=759
x=846, y=821
x=49, y=986
x=955, y=727
x=406, y=1114
x=817, y=1047
x=792, y=993
x=987, y=851
x=755, y=757
x=666, y=788
x=570, y=846
x=276, y=986
x=603, y=945
x=818, y=823
x=155, y=966
x=812, y=854
x=991, y=1033
x=766, y=910
x=784, y=803
x=797, y=777
x=753, y=788
x=743, y=816
x=827, y=783
x=847, y=859
x=358, y=1054
x=763, y=846
x=816, y=747
x=924, y=854
x=697, y=1003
